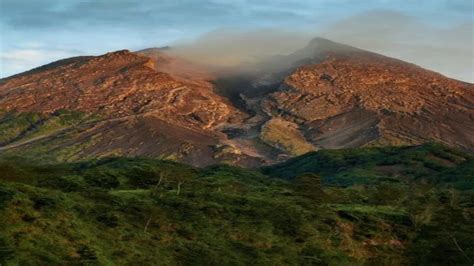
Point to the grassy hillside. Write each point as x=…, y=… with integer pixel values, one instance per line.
x=349, y=207
x=16, y=127
x=363, y=166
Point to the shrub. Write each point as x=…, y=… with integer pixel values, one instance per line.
x=66, y=183
x=41, y=202
x=309, y=185
x=102, y=179
x=143, y=178
x=108, y=219
x=6, y=195
x=87, y=255
x=6, y=251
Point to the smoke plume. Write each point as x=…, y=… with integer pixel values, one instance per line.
x=445, y=50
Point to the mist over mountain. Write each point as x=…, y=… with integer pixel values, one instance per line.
x=444, y=47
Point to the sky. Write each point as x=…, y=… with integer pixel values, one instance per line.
x=436, y=34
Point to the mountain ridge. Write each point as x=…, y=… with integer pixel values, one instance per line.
x=323, y=96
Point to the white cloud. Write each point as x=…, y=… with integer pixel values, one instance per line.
x=17, y=60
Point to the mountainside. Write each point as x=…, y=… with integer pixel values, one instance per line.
x=341, y=97
x=91, y=153
x=126, y=107
x=152, y=103
x=114, y=85
x=366, y=206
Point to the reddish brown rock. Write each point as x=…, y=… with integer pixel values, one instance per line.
x=142, y=111
x=115, y=85
x=351, y=98
x=326, y=95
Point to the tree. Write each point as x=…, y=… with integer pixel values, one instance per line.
x=309, y=185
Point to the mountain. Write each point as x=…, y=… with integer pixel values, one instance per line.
x=153, y=103
x=177, y=66
x=126, y=106
x=332, y=137
x=339, y=97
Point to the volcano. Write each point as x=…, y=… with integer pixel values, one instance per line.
x=152, y=103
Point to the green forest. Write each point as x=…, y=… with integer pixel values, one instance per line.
x=373, y=206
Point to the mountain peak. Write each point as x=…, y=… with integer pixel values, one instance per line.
x=318, y=47
x=320, y=41
x=119, y=52
x=326, y=95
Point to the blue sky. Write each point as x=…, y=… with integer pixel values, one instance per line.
x=35, y=32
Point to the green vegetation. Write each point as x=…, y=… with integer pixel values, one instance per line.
x=24, y=126
x=43, y=137
x=364, y=166
x=377, y=206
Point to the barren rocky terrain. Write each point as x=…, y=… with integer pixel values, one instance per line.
x=151, y=103
x=355, y=98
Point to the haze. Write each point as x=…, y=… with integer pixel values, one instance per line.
x=437, y=35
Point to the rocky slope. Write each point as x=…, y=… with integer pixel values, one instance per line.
x=340, y=97
x=138, y=109
x=114, y=85
x=149, y=103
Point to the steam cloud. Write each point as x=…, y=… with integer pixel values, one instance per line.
x=231, y=47
x=445, y=50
